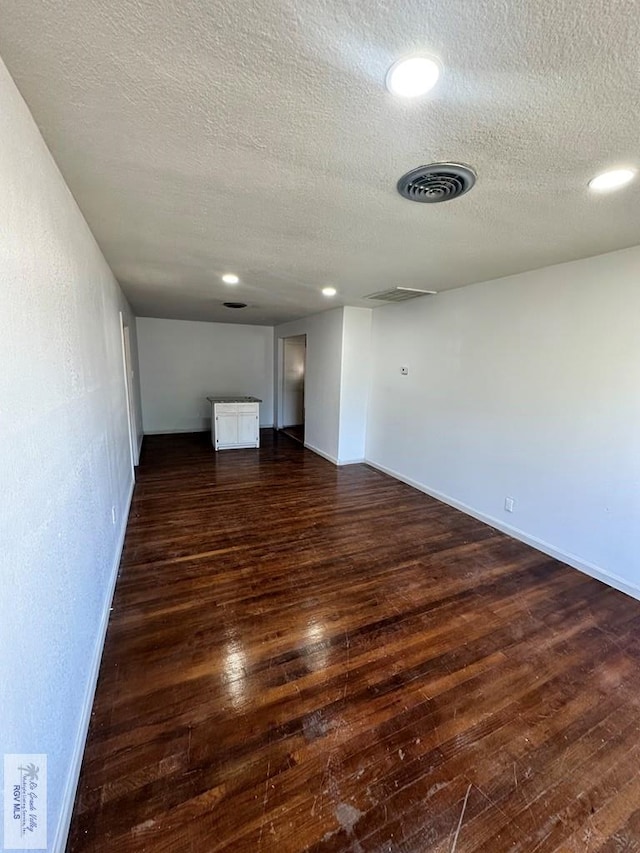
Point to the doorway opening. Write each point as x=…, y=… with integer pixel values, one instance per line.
x=294, y=359
x=129, y=395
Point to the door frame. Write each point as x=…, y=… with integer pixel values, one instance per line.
x=127, y=370
x=281, y=375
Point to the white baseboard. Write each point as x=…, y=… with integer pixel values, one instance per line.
x=69, y=795
x=175, y=431
x=140, y=440
x=324, y=455
x=329, y=458
x=192, y=429
x=570, y=559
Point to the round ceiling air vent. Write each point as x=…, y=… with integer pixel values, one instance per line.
x=436, y=182
x=235, y=304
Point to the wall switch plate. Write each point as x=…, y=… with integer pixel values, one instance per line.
x=508, y=504
x=404, y=371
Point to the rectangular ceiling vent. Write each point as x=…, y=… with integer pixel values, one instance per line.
x=400, y=294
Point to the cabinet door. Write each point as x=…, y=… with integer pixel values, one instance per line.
x=247, y=427
x=226, y=429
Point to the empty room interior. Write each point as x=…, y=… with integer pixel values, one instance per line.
x=320, y=419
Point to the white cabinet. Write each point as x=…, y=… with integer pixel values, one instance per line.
x=226, y=429
x=248, y=423
x=235, y=424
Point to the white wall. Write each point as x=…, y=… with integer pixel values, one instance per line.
x=293, y=387
x=183, y=362
x=528, y=387
x=354, y=383
x=322, y=378
x=64, y=457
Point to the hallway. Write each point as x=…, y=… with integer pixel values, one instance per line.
x=305, y=657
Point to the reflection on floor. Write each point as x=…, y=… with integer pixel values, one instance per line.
x=304, y=657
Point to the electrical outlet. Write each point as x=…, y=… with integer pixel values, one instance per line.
x=113, y=515
x=404, y=371
x=508, y=504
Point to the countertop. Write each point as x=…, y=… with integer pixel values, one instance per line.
x=234, y=400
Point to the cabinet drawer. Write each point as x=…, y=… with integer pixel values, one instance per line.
x=226, y=408
x=251, y=408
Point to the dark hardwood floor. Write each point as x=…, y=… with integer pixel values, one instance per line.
x=302, y=657
x=295, y=432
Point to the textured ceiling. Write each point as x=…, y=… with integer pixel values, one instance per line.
x=258, y=138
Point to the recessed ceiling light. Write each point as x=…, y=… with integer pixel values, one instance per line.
x=409, y=78
x=329, y=291
x=230, y=278
x=612, y=180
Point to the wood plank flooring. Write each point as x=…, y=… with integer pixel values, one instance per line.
x=296, y=432
x=302, y=657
